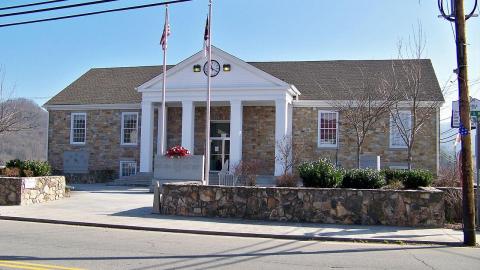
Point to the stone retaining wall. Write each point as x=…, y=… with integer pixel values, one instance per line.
x=342, y=206
x=30, y=190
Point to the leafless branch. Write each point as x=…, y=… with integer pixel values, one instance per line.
x=12, y=117
x=367, y=104
x=406, y=80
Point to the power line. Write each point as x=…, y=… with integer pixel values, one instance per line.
x=93, y=13
x=448, y=137
x=32, y=4
x=450, y=130
x=449, y=141
x=56, y=8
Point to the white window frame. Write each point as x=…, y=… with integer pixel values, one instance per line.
x=122, y=162
x=327, y=145
x=122, y=133
x=393, y=127
x=72, y=117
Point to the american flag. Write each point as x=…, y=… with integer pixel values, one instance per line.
x=206, y=39
x=166, y=32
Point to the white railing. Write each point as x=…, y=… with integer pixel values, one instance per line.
x=225, y=177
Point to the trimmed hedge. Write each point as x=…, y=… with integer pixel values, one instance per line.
x=321, y=173
x=363, y=179
x=392, y=175
x=412, y=179
x=418, y=178
x=324, y=174
x=30, y=167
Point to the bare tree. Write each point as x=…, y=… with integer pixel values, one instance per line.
x=12, y=118
x=411, y=110
x=368, y=104
x=287, y=154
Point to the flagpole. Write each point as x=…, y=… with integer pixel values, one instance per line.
x=207, y=129
x=162, y=132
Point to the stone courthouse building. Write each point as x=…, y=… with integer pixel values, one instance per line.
x=107, y=119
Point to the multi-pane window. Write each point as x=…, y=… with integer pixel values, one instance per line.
x=129, y=128
x=78, y=128
x=403, y=120
x=128, y=168
x=327, y=128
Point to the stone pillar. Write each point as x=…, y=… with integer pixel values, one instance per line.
x=281, y=130
x=188, y=128
x=236, y=123
x=146, y=138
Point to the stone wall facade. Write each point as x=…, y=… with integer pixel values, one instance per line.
x=105, y=151
x=341, y=206
x=102, y=140
x=174, y=127
x=305, y=138
x=259, y=137
x=17, y=190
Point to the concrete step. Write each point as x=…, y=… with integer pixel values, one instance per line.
x=139, y=179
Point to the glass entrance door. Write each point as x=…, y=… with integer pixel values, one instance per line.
x=219, y=144
x=219, y=153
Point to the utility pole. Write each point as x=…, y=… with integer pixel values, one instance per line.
x=458, y=16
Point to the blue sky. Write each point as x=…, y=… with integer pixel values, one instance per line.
x=42, y=59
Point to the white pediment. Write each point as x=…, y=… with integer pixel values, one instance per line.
x=241, y=76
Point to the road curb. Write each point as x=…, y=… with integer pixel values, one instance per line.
x=234, y=234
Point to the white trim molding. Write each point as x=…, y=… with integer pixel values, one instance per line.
x=85, y=107
x=199, y=57
x=332, y=103
x=122, y=130
x=72, y=116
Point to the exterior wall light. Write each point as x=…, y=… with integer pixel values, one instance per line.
x=227, y=67
x=197, y=68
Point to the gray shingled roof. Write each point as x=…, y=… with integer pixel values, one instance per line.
x=327, y=80
x=316, y=80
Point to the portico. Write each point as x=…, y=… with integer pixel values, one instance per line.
x=241, y=86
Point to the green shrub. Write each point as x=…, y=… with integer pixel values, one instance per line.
x=392, y=175
x=39, y=168
x=418, y=178
x=14, y=163
x=30, y=167
x=321, y=173
x=363, y=178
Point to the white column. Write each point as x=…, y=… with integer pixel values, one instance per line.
x=236, y=122
x=188, y=122
x=146, y=138
x=159, y=127
x=289, y=129
x=281, y=130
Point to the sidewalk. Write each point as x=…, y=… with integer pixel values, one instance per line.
x=130, y=208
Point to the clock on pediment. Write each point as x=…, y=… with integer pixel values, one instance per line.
x=215, y=68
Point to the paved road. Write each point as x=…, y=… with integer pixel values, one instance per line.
x=25, y=245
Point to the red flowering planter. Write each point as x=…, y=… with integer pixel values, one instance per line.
x=177, y=152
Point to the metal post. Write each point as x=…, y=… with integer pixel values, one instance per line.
x=164, y=86
x=207, y=126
